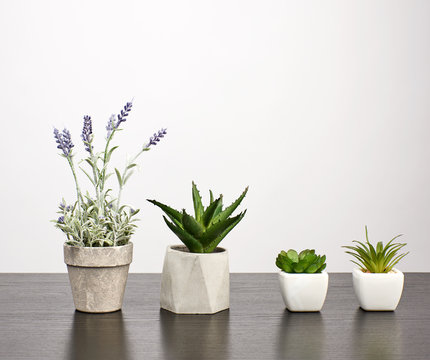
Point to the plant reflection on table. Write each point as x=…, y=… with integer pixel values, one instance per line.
x=98, y=336
x=195, y=336
x=378, y=333
x=301, y=336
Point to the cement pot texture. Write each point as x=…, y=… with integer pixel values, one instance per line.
x=194, y=283
x=98, y=276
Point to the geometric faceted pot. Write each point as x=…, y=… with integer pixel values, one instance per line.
x=195, y=283
x=303, y=292
x=98, y=276
x=378, y=291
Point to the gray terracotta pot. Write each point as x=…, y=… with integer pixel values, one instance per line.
x=195, y=283
x=98, y=276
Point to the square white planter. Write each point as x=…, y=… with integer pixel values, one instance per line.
x=303, y=292
x=378, y=292
x=194, y=283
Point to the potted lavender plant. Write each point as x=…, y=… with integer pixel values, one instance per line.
x=98, y=227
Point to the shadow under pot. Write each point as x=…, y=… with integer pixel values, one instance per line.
x=378, y=291
x=303, y=292
x=98, y=276
x=195, y=283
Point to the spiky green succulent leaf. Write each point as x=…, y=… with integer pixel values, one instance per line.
x=197, y=202
x=216, y=230
x=190, y=242
x=214, y=243
x=229, y=210
x=210, y=211
x=192, y=226
x=173, y=214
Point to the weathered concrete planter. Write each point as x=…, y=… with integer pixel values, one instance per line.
x=378, y=291
x=98, y=276
x=303, y=292
x=195, y=283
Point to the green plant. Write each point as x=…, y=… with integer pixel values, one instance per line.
x=305, y=262
x=98, y=220
x=203, y=232
x=376, y=260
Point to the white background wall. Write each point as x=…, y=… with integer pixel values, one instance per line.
x=321, y=107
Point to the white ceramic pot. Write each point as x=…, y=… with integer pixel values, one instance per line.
x=378, y=291
x=303, y=292
x=98, y=276
x=195, y=283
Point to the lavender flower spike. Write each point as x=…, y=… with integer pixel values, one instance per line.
x=64, y=141
x=153, y=140
x=111, y=124
x=87, y=133
x=124, y=113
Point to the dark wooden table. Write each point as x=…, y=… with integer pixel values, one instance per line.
x=38, y=321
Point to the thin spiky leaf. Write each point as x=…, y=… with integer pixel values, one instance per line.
x=189, y=241
x=211, y=247
x=210, y=211
x=197, y=202
x=191, y=225
x=229, y=210
x=173, y=214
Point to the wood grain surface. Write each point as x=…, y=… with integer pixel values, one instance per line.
x=38, y=321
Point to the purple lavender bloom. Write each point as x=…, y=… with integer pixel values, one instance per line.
x=110, y=125
x=124, y=113
x=64, y=141
x=62, y=206
x=153, y=140
x=113, y=123
x=87, y=133
x=61, y=220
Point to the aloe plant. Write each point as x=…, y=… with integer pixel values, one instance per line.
x=379, y=259
x=203, y=232
x=305, y=262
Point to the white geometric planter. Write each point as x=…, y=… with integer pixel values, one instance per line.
x=98, y=276
x=303, y=292
x=378, y=291
x=195, y=283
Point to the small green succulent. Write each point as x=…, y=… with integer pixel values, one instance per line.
x=305, y=262
x=376, y=260
x=202, y=233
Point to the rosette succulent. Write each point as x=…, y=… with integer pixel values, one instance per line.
x=379, y=259
x=98, y=219
x=305, y=262
x=203, y=232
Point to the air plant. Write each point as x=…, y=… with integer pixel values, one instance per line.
x=379, y=259
x=305, y=262
x=99, y=220
x=203, y=232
